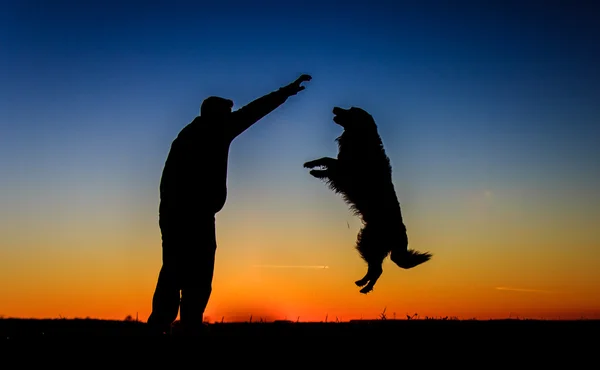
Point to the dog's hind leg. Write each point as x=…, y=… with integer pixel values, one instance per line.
x=369, y=280
x=373, y=275
x=362, y=282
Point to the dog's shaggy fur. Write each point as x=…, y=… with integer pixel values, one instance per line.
x=362, y=174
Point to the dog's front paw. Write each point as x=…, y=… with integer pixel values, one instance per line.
x=324, y=163
x=310, y=164
x=319, y=174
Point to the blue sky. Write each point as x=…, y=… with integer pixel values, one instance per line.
x=95, y=92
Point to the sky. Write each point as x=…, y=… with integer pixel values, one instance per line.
x=488, y=111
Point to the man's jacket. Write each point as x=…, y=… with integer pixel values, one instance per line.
x=194, y=178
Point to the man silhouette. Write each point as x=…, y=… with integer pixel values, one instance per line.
x=193, y=189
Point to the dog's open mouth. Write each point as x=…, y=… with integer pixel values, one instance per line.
x=337, y=120
x=337, y=112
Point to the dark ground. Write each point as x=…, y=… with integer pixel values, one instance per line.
x=14, y=329
x=403, y=343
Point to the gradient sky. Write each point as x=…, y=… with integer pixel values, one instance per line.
x=489, y=115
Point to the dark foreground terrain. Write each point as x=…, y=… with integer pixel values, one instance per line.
x=378, y=343
x=401, y=344
x=511, y=330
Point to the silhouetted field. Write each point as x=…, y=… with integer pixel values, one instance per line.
x=420, y=331
x=423, y=344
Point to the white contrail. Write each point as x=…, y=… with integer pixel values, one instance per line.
x=291, y=267
x=523, y=290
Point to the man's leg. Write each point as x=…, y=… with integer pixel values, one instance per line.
x=198, y=276
x=165, y=302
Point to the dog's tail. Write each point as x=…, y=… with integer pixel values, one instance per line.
x=409, y=258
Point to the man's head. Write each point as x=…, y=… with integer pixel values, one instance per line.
x=216, y=107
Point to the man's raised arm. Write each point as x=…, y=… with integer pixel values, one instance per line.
x=257, y=109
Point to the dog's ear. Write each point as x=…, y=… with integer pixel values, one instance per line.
x=359, y=112
x=363, y=116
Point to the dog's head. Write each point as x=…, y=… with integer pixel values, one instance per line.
x=354, y=119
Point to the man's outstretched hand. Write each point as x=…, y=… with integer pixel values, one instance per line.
x=295, y=86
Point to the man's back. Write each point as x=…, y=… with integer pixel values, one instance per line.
x=194, y=178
